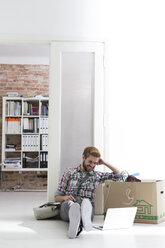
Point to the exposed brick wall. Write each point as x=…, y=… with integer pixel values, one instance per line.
x=23, y=181
x=24, y=79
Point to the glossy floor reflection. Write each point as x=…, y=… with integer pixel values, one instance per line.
x=19, y=228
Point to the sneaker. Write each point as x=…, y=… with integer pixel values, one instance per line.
x=80, y=230
x=74, y=220
x=86, y=214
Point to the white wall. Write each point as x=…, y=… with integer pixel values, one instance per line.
x=137, y=86
x=65, y=19
x=24, y=54
x=134, y=31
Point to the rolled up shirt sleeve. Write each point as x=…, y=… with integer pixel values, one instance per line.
x=58, y=193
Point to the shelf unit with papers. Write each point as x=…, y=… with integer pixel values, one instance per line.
x=24, y=133
x=44, y=133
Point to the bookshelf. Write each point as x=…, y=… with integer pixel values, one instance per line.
x=25, y=134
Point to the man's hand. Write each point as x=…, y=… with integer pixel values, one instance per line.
x=101, y=161
x=60, y=198
x=69, y=198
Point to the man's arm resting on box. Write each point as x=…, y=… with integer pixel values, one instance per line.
x=117, y=171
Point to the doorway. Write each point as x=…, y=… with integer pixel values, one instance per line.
x=76, y=102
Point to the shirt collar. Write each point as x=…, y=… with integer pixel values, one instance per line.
x=79, y=170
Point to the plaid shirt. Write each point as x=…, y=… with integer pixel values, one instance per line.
x=72, y=177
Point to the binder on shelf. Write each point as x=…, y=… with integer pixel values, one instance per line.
x=43, y=125
x=37, y=143
x=43, y=159
x=44, y=142
x=46, y=125
x=46, y=162
x=24, y=159
x=30, y=143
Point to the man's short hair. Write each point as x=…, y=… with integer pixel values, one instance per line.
x=91, y=150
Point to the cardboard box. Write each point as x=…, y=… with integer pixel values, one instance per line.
x=148, y=197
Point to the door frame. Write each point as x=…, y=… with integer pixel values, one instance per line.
x=57, y=48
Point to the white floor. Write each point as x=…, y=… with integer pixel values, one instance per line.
x=18, y=228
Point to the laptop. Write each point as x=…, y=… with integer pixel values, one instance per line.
x=118, y=218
